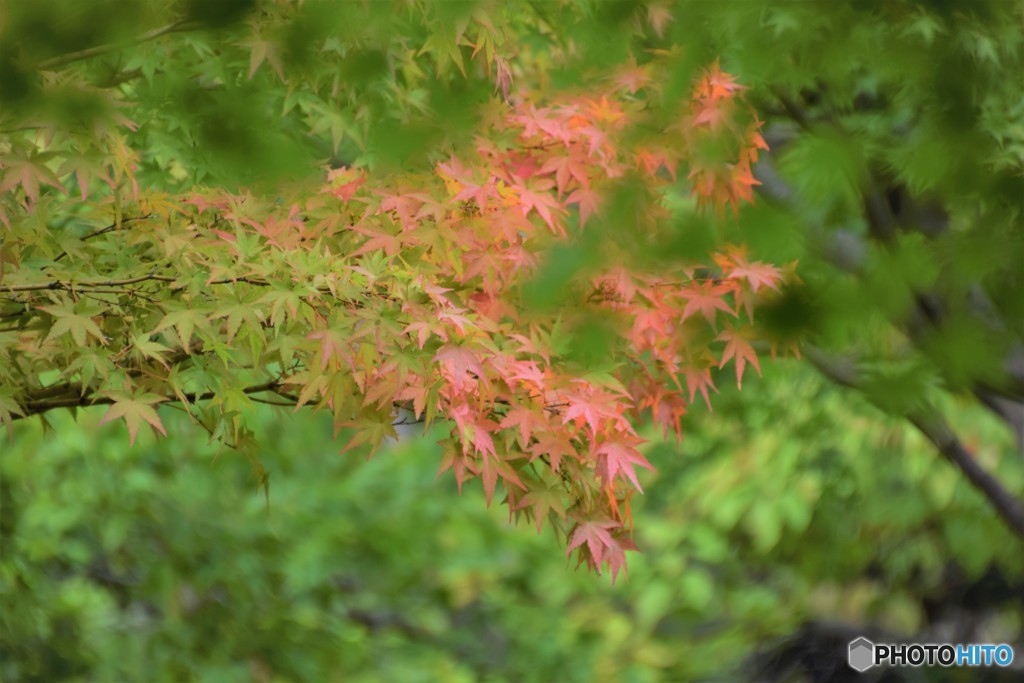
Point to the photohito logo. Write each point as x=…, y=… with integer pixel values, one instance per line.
x=863, y=654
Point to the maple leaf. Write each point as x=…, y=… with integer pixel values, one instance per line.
x=758, y=275
x=29, y=173
x=659, y=16
x=264, y=51
x=379, y=239
x=590, y=408
x=544, y=204
x=424, y=329
x=595, y=534
x=458, y=362
x=604, y=110
x=78, y=325
x=417, y=393
x=566, y=168
x=631, y=77
x=618, y=455
x=184, y=322
x=503, y=79
x=699, y=379
x=706, y=297
x=135, y=409
x=555, y=446
x=493, y=467
x=717, y=84
x=741, y=181
x=615, y=556
x=528, y=420
x=667, y=409
x=333, y=344
x=541, y=500
x=740, y=350
x=345, y=191
x=587, y=200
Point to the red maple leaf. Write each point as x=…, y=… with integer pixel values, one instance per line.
x=527, y=419
x=549, y=208
x=591, y=408
x=595, y=535
x=458, y=362
x=699, y=379
x=739, y=349
x=706, y=297
x=619, y=455
x=554, y=445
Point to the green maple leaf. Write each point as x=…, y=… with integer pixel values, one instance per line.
x=79, y=325
x=135, y=409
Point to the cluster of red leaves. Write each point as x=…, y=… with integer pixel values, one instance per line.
x=559, y=440
x=377, y=296
x=719, y=182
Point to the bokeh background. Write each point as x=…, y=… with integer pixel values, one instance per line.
x=169, y=561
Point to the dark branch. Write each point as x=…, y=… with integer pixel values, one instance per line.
x=62, y=60
x=37, y=406
x=930, y=423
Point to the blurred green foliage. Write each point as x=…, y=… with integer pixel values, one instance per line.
x=789, y=505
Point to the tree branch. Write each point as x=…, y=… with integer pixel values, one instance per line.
x=935, y=428
x=38, y=406
x=58, y=284
x=938, y=431
x=62, y=60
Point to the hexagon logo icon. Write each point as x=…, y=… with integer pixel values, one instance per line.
x=862, y=654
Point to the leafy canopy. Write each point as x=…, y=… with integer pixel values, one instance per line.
x=169, y=242
x=521, y=221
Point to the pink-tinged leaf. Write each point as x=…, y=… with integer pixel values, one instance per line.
x=503, y=81
x=332, y=346
x=555, y=446
x=699, y=379
x=566, y=168
x=264, y=51
x=458, y=362
x=706, y=297
x=527, y=419
x=424, y=329
x=659, y=16
x=345, y=191
x=494, y=467
x=757, y=275
x=592, y=409
x=740, y=351
x=418, y=395
x=391, y=244
x=667, y=409
x=226, y=236
x=460, y=462
x=618, y=456
x=631, y=78
x=135, y=409
x=717, y=84
x=545, y=205
x=587, y=200
x=615, y=556
x=596, y=536
x=29, y=173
